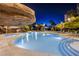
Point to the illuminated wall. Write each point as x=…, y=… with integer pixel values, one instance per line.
x=15, y=14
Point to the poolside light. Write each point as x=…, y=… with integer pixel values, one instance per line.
x=69, y=19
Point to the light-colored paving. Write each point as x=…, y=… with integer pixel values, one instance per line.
x=7, y=49
x=15, y=51
x=75, y=45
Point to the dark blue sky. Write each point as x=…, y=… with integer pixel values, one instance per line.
x=50, y=11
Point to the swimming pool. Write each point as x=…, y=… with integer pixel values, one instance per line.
x=46, y=43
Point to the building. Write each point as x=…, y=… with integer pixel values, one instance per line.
x=16, y=14
x=78, y=8
x=68, y=18
x=71, y=14
x=13, y=15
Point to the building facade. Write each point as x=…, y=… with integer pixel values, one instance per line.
x=16, y=14
x=13, y=15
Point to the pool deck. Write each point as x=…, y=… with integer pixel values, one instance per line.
x=15, y=51
x=66, y=35
x=75, y=45
x=7, y=49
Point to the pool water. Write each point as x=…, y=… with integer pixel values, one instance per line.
x=41, y=42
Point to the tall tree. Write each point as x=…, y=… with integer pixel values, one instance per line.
x=52, y=22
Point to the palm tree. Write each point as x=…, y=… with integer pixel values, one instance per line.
x=52, y=24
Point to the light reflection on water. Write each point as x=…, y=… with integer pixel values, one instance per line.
x=44, y=34
x=40, y=42
x=27, y=36
x=36, y=35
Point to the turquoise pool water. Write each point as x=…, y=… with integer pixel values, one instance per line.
x=44, y=42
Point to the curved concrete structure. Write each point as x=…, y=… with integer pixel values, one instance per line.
x=14, y=14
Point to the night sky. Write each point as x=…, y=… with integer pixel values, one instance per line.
x=46, y=12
